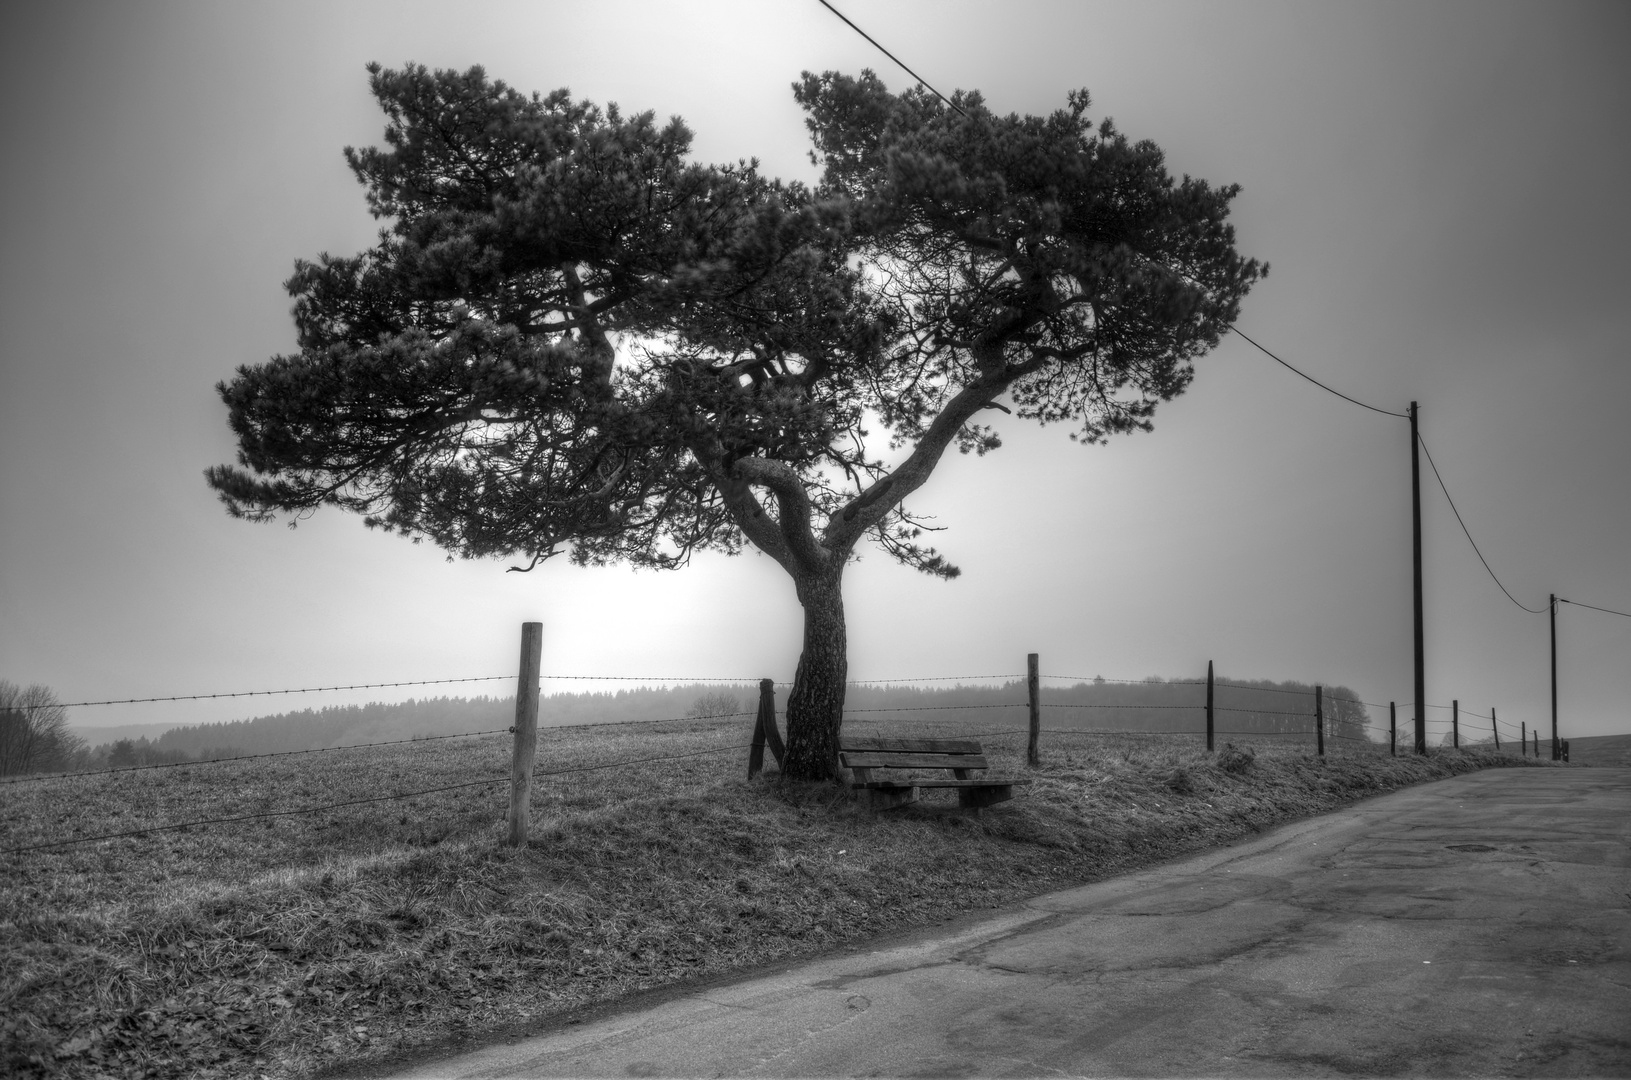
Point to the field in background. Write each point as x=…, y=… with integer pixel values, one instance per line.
x=290, y=944
x=1609, y=750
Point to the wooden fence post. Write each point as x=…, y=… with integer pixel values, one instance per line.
x=1033, y=686
x=1209, y=706
x=1319, y=717
x=764, y=730
x=1495, y=727
x=526, y=733
x=1393, y=728
x=1455, y=722
x=1523, y=737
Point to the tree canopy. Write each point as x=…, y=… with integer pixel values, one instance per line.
x=571, y=338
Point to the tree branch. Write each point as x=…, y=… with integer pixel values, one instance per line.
x=873, y=505
x=792, y=504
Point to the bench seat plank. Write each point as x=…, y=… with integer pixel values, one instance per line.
x=1000, y=781
x=870, y=759
x=914, y=746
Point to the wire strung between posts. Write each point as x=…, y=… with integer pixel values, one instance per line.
x=1316, y=382
x=250, y=757
x=1468, y=532
x=744, y=681
x=1127, y=682
x=969, y=734
x=640, y=723
x=893, y=57
x=932, y=678
x=1263, y=712
x=1117, y=731
x=1594, y=607
x=935, y=708
x=1264, y=689
x=948, y=101
x=261, y=693
x=1068, y=705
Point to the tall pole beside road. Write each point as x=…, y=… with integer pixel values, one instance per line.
x=1415, y=544
x=1553, y=606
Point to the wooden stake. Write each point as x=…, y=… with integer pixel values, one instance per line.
x=1033, y=686
x=1209, y=706
x=764, y=730
x=1455, y=722
x=526, y=733
x=1495, y=727
x=1393, y=728
x=1319, y=717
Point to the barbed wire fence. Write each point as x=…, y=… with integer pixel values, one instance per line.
x=1311, y=716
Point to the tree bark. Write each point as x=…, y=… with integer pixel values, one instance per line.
x=815, y=708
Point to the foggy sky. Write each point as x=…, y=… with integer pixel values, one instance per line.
x=1439, y=190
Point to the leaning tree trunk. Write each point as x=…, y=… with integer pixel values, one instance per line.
x=815, y=708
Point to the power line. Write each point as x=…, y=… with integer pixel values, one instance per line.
x=895, y=58
x=1594, y=607
x=1316, y=382
x=1468, y=532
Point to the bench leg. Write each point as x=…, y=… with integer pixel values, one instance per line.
x=889, y=798
x=975, y=797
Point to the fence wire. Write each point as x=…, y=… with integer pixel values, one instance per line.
x=897, y=714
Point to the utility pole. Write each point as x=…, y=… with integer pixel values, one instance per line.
x=1415, y=544
x=1553, y=606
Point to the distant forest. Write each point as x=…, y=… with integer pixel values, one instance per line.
x=1242, y=708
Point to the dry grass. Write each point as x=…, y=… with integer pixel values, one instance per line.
x=295, y=945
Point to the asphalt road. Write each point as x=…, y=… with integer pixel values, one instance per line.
x=1476, y=926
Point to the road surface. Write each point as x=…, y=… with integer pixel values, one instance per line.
x=1475, y=926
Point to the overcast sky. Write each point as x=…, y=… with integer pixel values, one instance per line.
x=1439, y=188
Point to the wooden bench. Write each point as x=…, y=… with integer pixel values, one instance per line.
x=961, y=756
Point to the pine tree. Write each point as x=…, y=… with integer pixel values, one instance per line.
x=570, y=338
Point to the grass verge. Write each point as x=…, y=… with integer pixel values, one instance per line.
x=296, y=945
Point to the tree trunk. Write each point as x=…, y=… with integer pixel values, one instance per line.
x=815, y=708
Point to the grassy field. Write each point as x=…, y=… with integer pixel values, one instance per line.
x=298, y=944
x=1602, y=750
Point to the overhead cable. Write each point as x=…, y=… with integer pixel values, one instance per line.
x=1468, y=532
x=1316, y=382
x=1594, y=607
x=896, y=59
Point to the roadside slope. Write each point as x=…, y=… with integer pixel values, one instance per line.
x=314, y=941
x=1476, y=926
